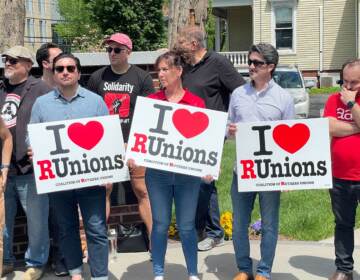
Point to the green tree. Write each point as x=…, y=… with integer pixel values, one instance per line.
x=142, y=20
x=210, y=27
x=77, y=28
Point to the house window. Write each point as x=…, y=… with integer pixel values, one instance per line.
x=29, y=7
x=284, y=28
x=30, y=30
x=42, y=25
x=41, y=6
x=284, y=25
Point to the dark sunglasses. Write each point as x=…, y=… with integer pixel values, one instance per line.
x=256, y=62
x=11, y=60
x=116, y=50
x=69, y=68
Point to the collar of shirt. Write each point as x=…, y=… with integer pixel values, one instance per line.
x=269, y=85
x=202, y=60
x=79, y=93
x=186, y=99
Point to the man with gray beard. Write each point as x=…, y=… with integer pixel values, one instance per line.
x=16, y=100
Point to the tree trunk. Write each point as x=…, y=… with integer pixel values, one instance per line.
x=183, y=13
x=12, y=23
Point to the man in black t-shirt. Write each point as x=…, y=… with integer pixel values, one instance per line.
x=16, y=101
x=120, y=84
x=212, y=77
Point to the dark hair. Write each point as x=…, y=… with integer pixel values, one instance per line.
x=67, y=55
x=43, y=53
x=268, y=52
x=172, y=58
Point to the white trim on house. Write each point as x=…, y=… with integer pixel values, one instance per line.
x=231, y=3
x=284, y=3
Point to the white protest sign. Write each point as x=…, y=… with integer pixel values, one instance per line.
x=283, y=155
x=77, y=153
x=178, y=138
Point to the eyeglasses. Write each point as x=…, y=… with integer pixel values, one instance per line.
x=116, y=50
x=11, y=60
x=69, y=68
x=256, y=63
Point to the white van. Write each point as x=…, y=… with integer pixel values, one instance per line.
x=290, y=78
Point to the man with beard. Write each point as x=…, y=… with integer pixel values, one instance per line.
x=16, y=101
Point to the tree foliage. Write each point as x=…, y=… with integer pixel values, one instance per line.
x=77, y=28
x=87, y=22
x=142, y=20
x=210, y=27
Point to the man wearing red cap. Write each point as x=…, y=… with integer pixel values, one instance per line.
x=119, y=84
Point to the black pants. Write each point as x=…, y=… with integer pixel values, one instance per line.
x=207, y=219
x=345, y=197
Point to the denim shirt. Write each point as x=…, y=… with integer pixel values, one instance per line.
x=54, y=107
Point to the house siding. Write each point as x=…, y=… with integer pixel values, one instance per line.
x=339, y=35
x=240, y=28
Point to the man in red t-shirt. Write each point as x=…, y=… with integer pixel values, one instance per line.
x=343, y=111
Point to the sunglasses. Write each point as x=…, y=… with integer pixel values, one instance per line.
x=116, y=50
x=11, y=60
x=256, y=63
x=69, y=68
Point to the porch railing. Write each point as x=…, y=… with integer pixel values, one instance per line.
x=237, y=58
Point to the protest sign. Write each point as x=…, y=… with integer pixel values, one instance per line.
x=77, y=153
x=178, y=138
x=283, y=155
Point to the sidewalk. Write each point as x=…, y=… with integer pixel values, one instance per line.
x=295, y=260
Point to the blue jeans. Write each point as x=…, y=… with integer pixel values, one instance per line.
x=36, y=208
x=243, y=204
x=345, y=196
x=91, y=201
x=208, y=213
x=164, y=187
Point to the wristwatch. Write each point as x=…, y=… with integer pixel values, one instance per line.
x=350, y=104
x=2, y=166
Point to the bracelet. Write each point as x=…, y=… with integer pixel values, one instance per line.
x=3, y=166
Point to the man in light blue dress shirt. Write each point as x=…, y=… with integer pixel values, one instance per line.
x=260, y=100
x=71, y=101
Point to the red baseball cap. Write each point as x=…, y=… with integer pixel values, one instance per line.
x=121, y=39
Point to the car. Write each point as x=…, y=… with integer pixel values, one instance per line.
x=290, y=79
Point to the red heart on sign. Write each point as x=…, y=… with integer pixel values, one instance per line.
x=291, y=139
x=190, y=124
x=86, y=136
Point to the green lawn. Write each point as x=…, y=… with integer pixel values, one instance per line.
x=304, y=215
